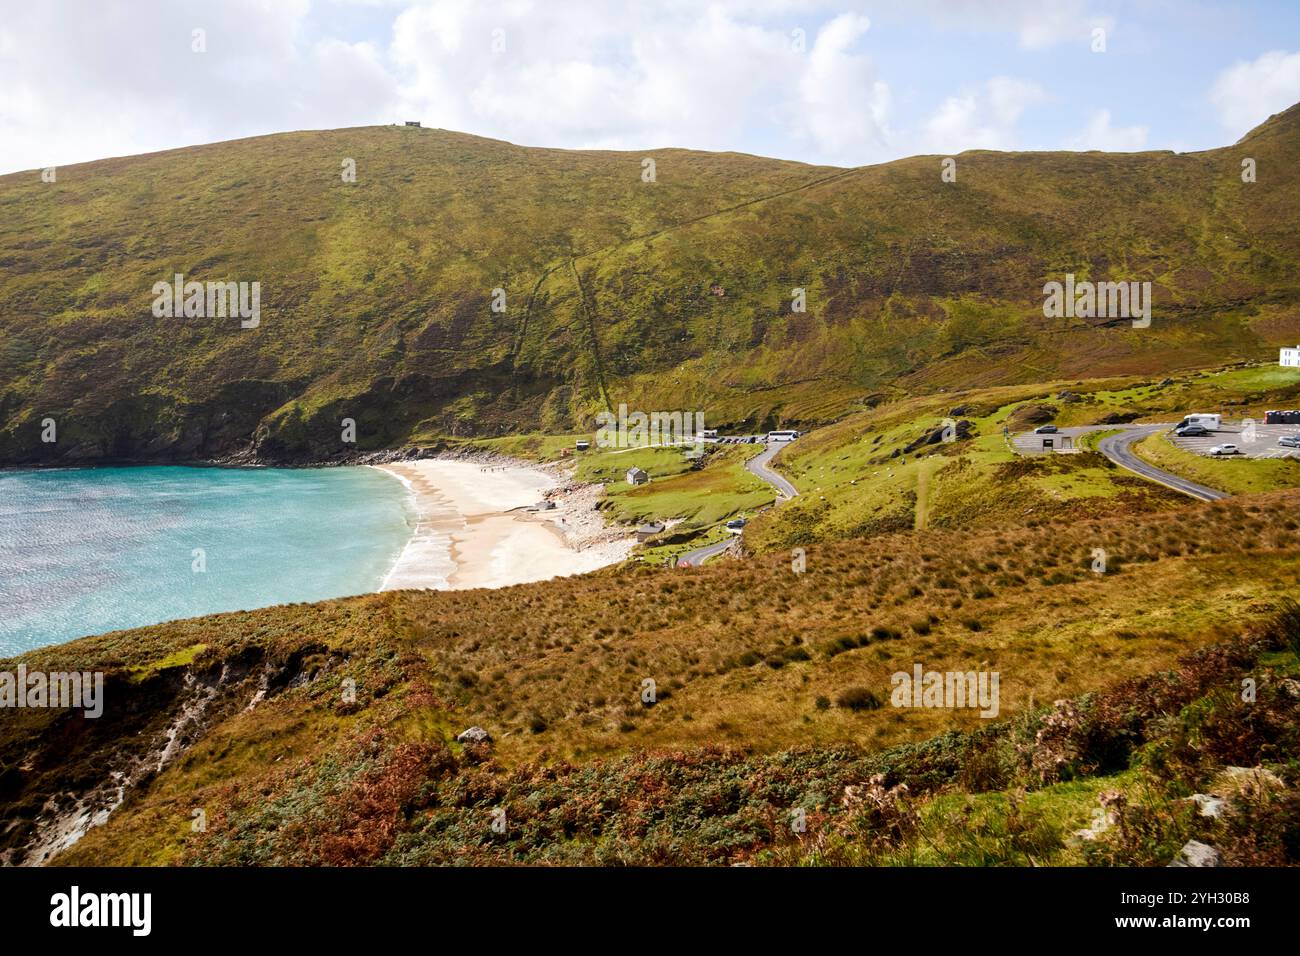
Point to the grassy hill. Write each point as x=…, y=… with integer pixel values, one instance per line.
x=858, y=476
x=377, y=294
x=326, y=733
x=773, y=690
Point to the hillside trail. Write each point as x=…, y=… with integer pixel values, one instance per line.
x=571, y=262
x=922, y=495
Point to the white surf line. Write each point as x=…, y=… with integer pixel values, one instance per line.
x=426, y=547
x=410, y=494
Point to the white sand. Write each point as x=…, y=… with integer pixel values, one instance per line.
x=467, y=535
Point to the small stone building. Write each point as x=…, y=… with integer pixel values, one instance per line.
x=648, y=530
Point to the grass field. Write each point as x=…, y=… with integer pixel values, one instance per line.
x=859, y=480
x=1235, y=474
x=1232, y=392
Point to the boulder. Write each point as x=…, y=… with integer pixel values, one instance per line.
x=1196, y=853
x=961, y=430
x=1033, y=414
x=1209, y=804
x=1117, y=418
x=474, y=735
x=1248, y=779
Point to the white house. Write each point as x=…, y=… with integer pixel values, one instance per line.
x=1289, y=358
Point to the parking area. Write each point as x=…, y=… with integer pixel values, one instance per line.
x=738, y=440
x=744, y=440
x=1063, y=440
x=1263, y=443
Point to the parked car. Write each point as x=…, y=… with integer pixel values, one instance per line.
x=1191, y=431
x=736, y=525
x=1045, y=430
x=1289, y=441
x=1223, y=450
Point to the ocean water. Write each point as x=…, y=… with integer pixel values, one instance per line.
x=88, y=550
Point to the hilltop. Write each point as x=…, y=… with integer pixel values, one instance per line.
x=377, y=295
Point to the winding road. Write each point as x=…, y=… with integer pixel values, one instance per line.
x=756, y=466
x=1116, y=448
x=693, y=559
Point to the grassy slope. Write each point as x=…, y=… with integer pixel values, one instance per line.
x=376, y=294
x=698, y=498
x=1012, y=793
x=743, y=655
x=1232, y=392
x=857, y=481
x=1235, y=475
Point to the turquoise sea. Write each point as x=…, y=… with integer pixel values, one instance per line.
x=88, y=550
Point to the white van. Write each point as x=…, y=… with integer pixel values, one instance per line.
x=1208, y=422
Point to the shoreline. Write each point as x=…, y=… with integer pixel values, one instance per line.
x=477, y=525
x=464, y=540
x=247, y=460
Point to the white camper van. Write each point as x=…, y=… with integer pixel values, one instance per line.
x=1208, y=422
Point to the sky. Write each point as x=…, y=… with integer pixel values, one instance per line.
x=838, y=83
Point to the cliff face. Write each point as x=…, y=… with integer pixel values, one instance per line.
x=463, y=286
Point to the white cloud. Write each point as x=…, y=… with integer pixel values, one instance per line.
x=980, y=119
x=1246, y=94
x=1100, y=134
x=98, y=83
x=1045, y=25
x=85, y=81
x=843, y=108
x=1009, y=97
x=592, y=75
x=582, y=73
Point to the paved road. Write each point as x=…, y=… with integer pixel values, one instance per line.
x=1116, y=448
x=694, y=559
x=757, y=466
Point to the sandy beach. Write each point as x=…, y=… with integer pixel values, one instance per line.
x=473, y=529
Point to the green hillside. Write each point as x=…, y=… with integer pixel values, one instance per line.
x=377, y=295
